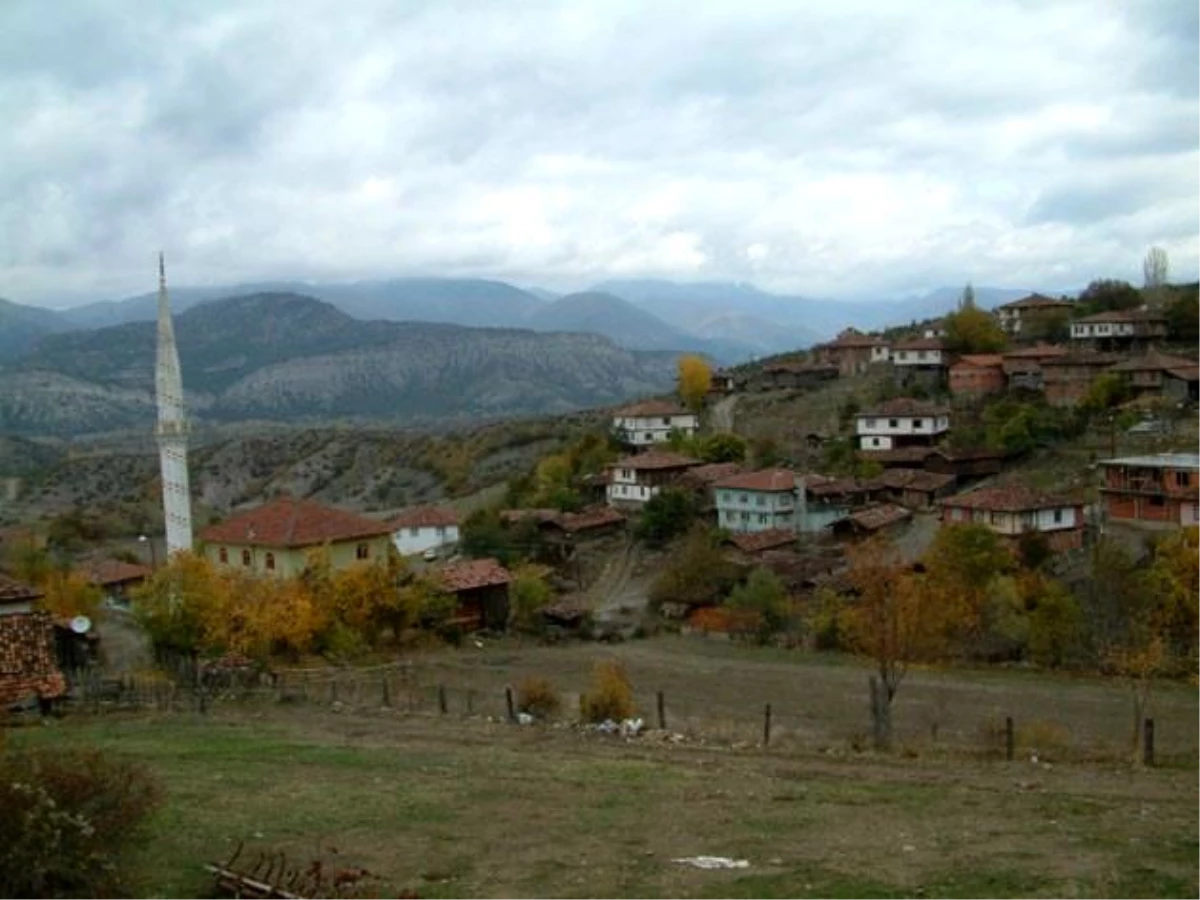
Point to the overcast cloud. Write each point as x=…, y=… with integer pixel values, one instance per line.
x=828, y=149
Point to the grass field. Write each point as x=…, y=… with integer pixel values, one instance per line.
x=455, y=806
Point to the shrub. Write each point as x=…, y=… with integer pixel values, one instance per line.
x=537, y=696
x=611, y=694
x=70, y=817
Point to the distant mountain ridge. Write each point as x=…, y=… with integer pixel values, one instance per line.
x=287, y=357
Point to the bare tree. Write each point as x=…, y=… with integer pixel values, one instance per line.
x=1155, y=268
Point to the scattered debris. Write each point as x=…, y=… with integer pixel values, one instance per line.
x=524, y=718
x=713, y=862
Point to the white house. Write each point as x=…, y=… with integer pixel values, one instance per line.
x=1012, y=316
x=1012, y=510
x=648, y=423
x=757, y=501
x=901, y=423
x=915, y=352
x=633, y=480
x=881, y=353
x=424, y=528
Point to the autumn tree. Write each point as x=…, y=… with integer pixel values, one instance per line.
x=694, y=380
x=972, y=330
x=69, y=594
x=529, y=593
x=696, y=573
x=176, y=602
x=891, y=623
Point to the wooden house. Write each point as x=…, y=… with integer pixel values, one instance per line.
x=481, y=589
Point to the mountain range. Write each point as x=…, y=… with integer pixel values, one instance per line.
x=287, y=357
x=730, y=322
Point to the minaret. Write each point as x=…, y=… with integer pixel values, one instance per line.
x=172, y=428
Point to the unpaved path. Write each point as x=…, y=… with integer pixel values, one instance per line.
x=721, y=413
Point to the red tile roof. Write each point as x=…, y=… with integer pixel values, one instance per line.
x=1035, y=301
x=293, y=522
x=13, y=591
x=707, y=474
x=1083, y=358
x=586, y=520
x=1186, y=373
x=1009, y=498
x=652, y=408
x=764, y=480
x=980, y=360
x=539, y=515
x=1039, y=351
x=113, y=571
x=900, y=454
x=921, y=343
x=758, y=541
x=851, y=338
x=799, y=368
x=915, y=480
x=903, y=406
x=424, y=517
x=471, y=574
x=1123, y=315
x=874, y=518
x=1153, y=361
x=655, y=460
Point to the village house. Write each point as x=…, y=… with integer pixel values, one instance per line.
x=1067, y=379
x=852, y=352
x=564, y=532
x=722, y=382
x=916, y=488
x=1159, y=490
x=977, y=375
x=651, y=422
x=480, y=587
x=757, y=501
x=822, y=500
x=633, y=480
x=1030, y=316
x=1155, y=374
x=1012, y=510
x=919, y=361
x=28, y=664
x=424, y=529
x=965, y=463
x=700, y=480
x=1023, y=367
x=881, y=518
x=274, y=539
x=750, y=544
x=1124, y=330
x=901, y=422
x=783, y=376
x=115, y=578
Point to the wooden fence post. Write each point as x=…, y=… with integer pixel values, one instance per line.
x=662, y=711
x=1010, y=738
x=442, y=698
x=1148, y=742
x=508, y=700
x=387, y=691
x=767, y=725
x=333, y=691
x=470, y=702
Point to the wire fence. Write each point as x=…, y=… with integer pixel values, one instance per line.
x=407, y=689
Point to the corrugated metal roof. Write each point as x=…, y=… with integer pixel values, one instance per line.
x=1158, y=460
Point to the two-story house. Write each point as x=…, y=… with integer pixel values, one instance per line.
x=977, y=375
x=757, y=501
x=423, y=529
x=274, y=539
x=852, y=352
x=901, y=422
x=651, y=422
x=918, y=353
x=1151, y=374
x=1158, y=490
x=1067, y=379
x=1123, y=330
x=1012, y=510
x=1023, y=367
x=1030, y=316
x=633, y=480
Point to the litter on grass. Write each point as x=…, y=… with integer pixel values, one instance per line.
x=713, y=862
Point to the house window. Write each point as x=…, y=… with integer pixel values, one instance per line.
x=1183, y=479
x=762, y=519
x=245, y=557
x=362, y=551
x=744, y=499
x=413, y=532
x=441, y=532
x=893, y=423
x=666, y=420
x=760, y=500
x=223, y=555
x=918, y=423
x=649, y=436
x=745, y=517
x=270, y=562
x=1058, y=517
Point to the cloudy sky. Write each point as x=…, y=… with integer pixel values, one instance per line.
x=833, y=149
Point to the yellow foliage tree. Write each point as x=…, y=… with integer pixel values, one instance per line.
x=174, y=604
x=69, y=594
x=694, y=380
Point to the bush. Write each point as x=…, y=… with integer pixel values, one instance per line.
x=611, y=694
x=70, y=818
x=537, y=696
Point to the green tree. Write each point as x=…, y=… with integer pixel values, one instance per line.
x=967, y=301
x=529, y=593
x=696, y=573
x=764, y=595
x=1106, y=295
x=722, y=447
x=1055, y=624
x=1183, y=314
x=971, y=330
x=667, y=514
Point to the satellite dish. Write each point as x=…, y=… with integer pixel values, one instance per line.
x=81, y=624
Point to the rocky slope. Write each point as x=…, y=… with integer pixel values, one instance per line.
x=285, y=357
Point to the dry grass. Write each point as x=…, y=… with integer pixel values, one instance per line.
x=467, y=806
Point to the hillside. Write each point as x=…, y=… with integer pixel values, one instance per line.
x=21, y=326
x=285, y=357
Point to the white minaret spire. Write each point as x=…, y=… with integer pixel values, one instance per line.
x=172, y=427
